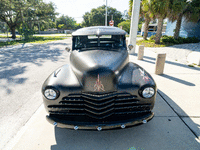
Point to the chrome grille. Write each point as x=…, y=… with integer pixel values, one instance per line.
x=99, y=106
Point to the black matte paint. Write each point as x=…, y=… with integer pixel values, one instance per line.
x=111, y=71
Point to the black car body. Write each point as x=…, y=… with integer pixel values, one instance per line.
x=100, y=88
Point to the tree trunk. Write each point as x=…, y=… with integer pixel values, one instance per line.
x=159, y=30
x=13, y=32
x=178, y=26
x=146, y=27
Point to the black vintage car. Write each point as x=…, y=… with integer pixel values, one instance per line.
x=100, y=88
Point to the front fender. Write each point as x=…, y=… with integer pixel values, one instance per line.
x=64, y=80
x=133, y=78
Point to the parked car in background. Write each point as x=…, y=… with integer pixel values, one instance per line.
x=152, y=29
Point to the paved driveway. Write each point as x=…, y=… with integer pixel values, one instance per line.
x=23, y=69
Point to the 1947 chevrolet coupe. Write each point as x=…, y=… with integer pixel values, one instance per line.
x=100, y=88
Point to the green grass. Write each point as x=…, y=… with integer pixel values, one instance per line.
x=36, y=39
x=137, y=35
x=9, y=36
x=52, y=35
x=151, y=43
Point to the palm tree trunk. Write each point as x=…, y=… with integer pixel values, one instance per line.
x=146, y=27
x=178, y=26
x=159, y=30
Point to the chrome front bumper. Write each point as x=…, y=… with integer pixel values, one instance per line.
x=62, y=124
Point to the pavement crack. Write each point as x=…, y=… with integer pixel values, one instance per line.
x=178, y=115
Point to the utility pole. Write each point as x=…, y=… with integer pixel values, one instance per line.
x=106, y=15
x=134, y=24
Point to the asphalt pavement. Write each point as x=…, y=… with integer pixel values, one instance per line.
x=23, y=69
x=176, y=125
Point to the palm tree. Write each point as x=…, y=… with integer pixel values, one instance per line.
x=160, y=9
x=193, y=11
x=148, y=15
x=176, y=10
x=145, y=13
x=183, y=8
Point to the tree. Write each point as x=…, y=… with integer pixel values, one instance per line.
x=3, y=27
x=96, y=17
x=160, y=9
x=66, y=21
x=125, y=15
x=86, y=19
x=193, y=11
x=78, y=25
x=183, y=8
x=16, y=12
x=176, y=10
x=147, y=14
x=144, y=13
x=125, y=25
x=130, y=7
x=45, y=24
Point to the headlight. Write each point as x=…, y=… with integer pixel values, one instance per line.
x=148, y=92
x=51, y=94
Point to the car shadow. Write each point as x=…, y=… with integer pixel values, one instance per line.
x=15, y=60
x=164, y=131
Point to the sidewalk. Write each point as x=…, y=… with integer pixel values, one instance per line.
x=184, y=53
x=176, y=125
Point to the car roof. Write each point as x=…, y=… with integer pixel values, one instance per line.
x=99, y=30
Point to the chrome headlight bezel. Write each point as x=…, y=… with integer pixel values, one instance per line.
x=147, y=91
x=53, y=93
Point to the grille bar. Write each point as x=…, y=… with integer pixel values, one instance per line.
x=99, y=106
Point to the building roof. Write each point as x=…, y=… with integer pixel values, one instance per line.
x=99, y=30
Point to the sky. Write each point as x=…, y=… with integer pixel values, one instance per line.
x=77, y=8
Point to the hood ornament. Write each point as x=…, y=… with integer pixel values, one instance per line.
x=98, y=86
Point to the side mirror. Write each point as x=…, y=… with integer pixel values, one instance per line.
x=130, y=46
x=67, y=49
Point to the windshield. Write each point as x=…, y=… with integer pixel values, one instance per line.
x=102, y=42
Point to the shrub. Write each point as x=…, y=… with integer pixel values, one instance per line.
x=152, y=37
x=186, y=40
x=168, y=39
x=191, y=40
x=125, y=25
x=176, y=41
x=164, y=36
x=180, y=40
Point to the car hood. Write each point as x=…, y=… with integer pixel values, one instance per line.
x=89, y=65
x=82, y=61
